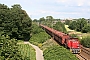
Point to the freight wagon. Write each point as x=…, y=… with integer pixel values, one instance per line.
x=72, y=43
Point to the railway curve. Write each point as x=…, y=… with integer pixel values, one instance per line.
x=85, y=53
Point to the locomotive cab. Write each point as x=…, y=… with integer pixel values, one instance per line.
x=74, y=45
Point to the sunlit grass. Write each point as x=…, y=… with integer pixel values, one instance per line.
x=27, y=51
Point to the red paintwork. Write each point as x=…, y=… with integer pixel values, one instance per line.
x=62, y=37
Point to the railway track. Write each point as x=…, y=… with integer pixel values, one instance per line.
x=85, y=54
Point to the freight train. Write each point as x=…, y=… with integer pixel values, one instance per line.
x=72, y=43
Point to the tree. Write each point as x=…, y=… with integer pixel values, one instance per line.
x=67, y=22
x=80, y=24
x=72, y=25
x=42, y=20
x=15, y=22
x=60, y=27
x=16, y=6
x=35, y=20
x=86, y=29
x=50, y=18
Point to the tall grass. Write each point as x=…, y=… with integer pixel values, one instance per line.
x=86, y=41
x=27, y=51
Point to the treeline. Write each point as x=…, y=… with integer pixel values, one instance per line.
x=14, y=22
x=52, y=22
x=79, y=25
x=60, y=27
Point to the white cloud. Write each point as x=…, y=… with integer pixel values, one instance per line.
x=58, y=1
x=57, y=8
x=80, y=2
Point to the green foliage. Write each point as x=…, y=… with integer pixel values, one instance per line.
x=27, y=52
x=15, y=22
x=86, y=41
x=39, y=36
x=73, y=35
x=79, y=25
x=86, y=29
x=36, y=29
x=9, y=49
x=60, y=27
x=49, y=18
x=35, y=20
x=53, y=51
x=67, y=22
x=73, y=25
x=56, y=52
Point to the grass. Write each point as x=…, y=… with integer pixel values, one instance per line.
x=27, y=51
x=48, y=43
x=75, y=32
x=66, y=26
x=53, y=51
x=20, y=42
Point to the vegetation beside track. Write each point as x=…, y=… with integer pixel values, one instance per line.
x=39, y=39
x=58, y=53
x=39, y=36
x=53, y=51
x=86, y=41
x=84, y=38
x=60, y=27
x=27, y=52
x=9, y=49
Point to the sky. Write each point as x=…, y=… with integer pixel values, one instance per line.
x=60, y=9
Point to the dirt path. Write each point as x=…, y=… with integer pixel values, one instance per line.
x=39, y=53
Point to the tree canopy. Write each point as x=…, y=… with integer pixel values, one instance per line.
x=15, y=22
x=80, y=25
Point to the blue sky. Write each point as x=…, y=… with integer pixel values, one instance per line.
x=57, y=8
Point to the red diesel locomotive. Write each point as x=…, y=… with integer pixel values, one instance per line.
x=72, y=43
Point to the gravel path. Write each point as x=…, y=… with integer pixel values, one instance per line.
x=39, y=53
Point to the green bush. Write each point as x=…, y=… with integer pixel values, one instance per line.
x=39, y=38
x=36, y=29
x=60, y=27
x=86, y=29
x=57, y=52
x=9, y=49
x=86, y=41
x=74, y=36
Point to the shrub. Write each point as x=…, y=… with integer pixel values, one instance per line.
x=60, y=27
x=74, y=35
x=39, y=38
x=56, y=52
x=86, y=41
x=40, y=45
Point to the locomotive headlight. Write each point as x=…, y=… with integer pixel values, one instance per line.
x=78, y=46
